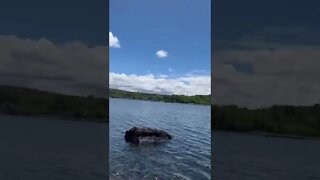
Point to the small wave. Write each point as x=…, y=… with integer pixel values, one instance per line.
x=179, y=175
x=188, y=150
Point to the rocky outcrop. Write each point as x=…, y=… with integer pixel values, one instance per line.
x=146, y=135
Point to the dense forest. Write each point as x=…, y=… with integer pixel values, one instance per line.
x=289, y=120
x=30, y=102
x=198, y=99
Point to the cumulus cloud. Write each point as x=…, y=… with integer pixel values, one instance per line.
x=162, y=54
x=70, y=68
x=279, y=74
x=183, y=85
x=113, y=41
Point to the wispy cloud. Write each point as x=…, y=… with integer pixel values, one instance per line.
x=113, y=41
x=170, y=70
x=162, y=84
x=162, y=54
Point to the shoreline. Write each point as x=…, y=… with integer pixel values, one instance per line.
x=106, y=121
x=279, y=120
x=270, y=135
x=182, y=99
x=159, y=101
x=59, y=118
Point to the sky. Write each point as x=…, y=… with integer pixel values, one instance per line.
x=160, y=47
x=57, y=20
x=57, y=46
x=265, y=52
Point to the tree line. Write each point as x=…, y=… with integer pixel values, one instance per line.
x=31, y=102
x=279, y=119
x=197, y=99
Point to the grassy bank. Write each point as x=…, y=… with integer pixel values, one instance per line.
x=198, y=99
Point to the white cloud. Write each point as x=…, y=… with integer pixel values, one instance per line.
x=170, y=70
x=113, y=41
x=284, y=68
x=70, y=68
x=162, y=54
x=282, y=75
x=186, y=85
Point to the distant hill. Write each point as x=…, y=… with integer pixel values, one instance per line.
x=31, y=102
x=197, y=99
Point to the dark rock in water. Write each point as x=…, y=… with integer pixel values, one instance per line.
x=146, y=135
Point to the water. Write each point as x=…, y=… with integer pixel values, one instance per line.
x=186, y=156
x=241, y=156
x=52, y=149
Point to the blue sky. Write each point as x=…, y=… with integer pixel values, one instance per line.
x=58, y=46
x=62, y=45
x=266, y=52
x=258, y=47
x=181, y=28
x=233, y=19
x=59, y=21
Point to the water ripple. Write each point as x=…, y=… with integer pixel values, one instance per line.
x=186, y=156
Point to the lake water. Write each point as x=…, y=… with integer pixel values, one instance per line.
x=251, y=157
x=54, y=149
x=186, y=156
x=43, y=149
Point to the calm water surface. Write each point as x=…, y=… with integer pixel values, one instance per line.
x=42, y=149
x=186, y=156
x=250, y=157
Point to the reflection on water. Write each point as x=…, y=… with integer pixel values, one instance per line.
x=186, y=156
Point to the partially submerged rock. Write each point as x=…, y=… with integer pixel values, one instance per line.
x=146, y=135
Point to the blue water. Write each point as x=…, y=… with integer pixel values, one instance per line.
x=52, y=149
x=186, y=156
x=250, y=157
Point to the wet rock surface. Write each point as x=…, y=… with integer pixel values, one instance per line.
x=146, y=135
